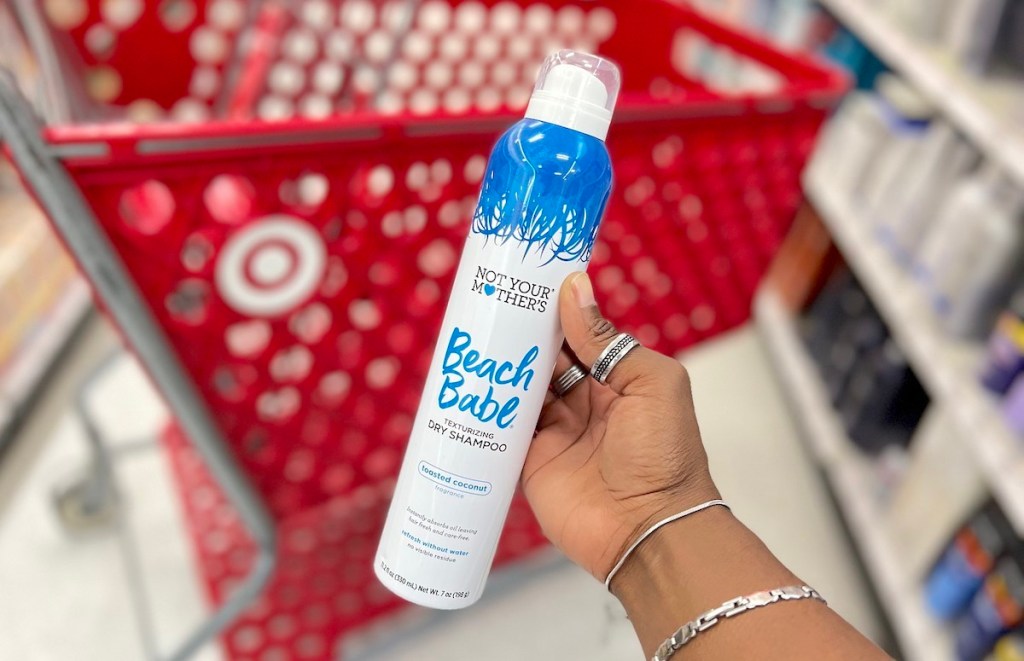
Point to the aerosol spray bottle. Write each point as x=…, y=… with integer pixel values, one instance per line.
x=544, y=192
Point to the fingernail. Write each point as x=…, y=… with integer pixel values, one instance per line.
x=583, y=290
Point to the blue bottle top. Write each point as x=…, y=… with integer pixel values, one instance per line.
x=546, y=188
x=549, y=176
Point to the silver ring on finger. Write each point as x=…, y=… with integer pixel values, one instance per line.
x=612, y=354
x=569, y=380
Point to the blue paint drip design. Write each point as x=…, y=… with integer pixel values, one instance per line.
x=545, y=188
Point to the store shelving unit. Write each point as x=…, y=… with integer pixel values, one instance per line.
x=990, y=111
x=19, y=380
x=921, y=638
x=948, y=368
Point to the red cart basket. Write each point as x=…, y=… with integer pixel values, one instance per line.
x=291, y=260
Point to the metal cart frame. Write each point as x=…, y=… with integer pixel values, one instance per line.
x=20, y=131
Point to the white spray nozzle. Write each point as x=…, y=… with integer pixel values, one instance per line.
x=577, y=91
x=570, y=82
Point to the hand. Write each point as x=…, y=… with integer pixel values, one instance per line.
x=609, y=461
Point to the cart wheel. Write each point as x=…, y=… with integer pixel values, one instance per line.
x=87, y=504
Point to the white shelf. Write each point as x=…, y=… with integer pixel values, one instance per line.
x=19, y=380
x=947, y=368
x=921, y=637
x=989, y=110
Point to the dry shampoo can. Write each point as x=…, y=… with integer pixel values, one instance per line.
x=544, y=192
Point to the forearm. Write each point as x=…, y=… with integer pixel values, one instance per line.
x=699, y=562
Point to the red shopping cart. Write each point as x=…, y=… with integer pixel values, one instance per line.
x=282, y=272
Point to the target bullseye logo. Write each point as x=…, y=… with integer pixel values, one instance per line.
x=271, y=266
x=271, y=263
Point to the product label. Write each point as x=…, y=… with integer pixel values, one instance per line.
x=484, y=392
x=511, y=290
x=444, y=478
x=455, y=431
x=462, y=362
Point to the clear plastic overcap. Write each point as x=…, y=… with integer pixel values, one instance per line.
x=576, y=90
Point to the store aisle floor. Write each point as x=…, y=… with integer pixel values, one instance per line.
x=544, y=609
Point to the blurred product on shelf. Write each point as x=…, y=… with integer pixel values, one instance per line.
x=850, y=140
x=846, y=49
x=884, y=150
x=1013, y=406
x=839, y=300
x=972, y=31
x=879, y=399
x=884, y=400
x=1004, y=359
x=970, y=556
x=905, y=116
x=798, y=25
x=967, y=268
x=1010, y=42
x=990, y=282
x=914, y=180
x=997, y=48
x=1009, y=648
x=984, y=36
x=942, y=158
x=997, y=609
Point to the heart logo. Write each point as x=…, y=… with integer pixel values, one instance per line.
x=489, y=290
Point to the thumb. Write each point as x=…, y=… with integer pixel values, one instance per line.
x=589, y=333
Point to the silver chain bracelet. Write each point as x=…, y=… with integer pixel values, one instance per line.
x=731, y=608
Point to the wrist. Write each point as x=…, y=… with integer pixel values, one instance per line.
x=672, y=551
x=689, y=566
x=659, y=506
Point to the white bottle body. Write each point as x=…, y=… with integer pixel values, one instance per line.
x=542, y=198
x=456, y=485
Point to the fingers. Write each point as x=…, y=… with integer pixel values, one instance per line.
x=588, y=333
x=556, y=408
x=562, y=363
x=579, y=393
